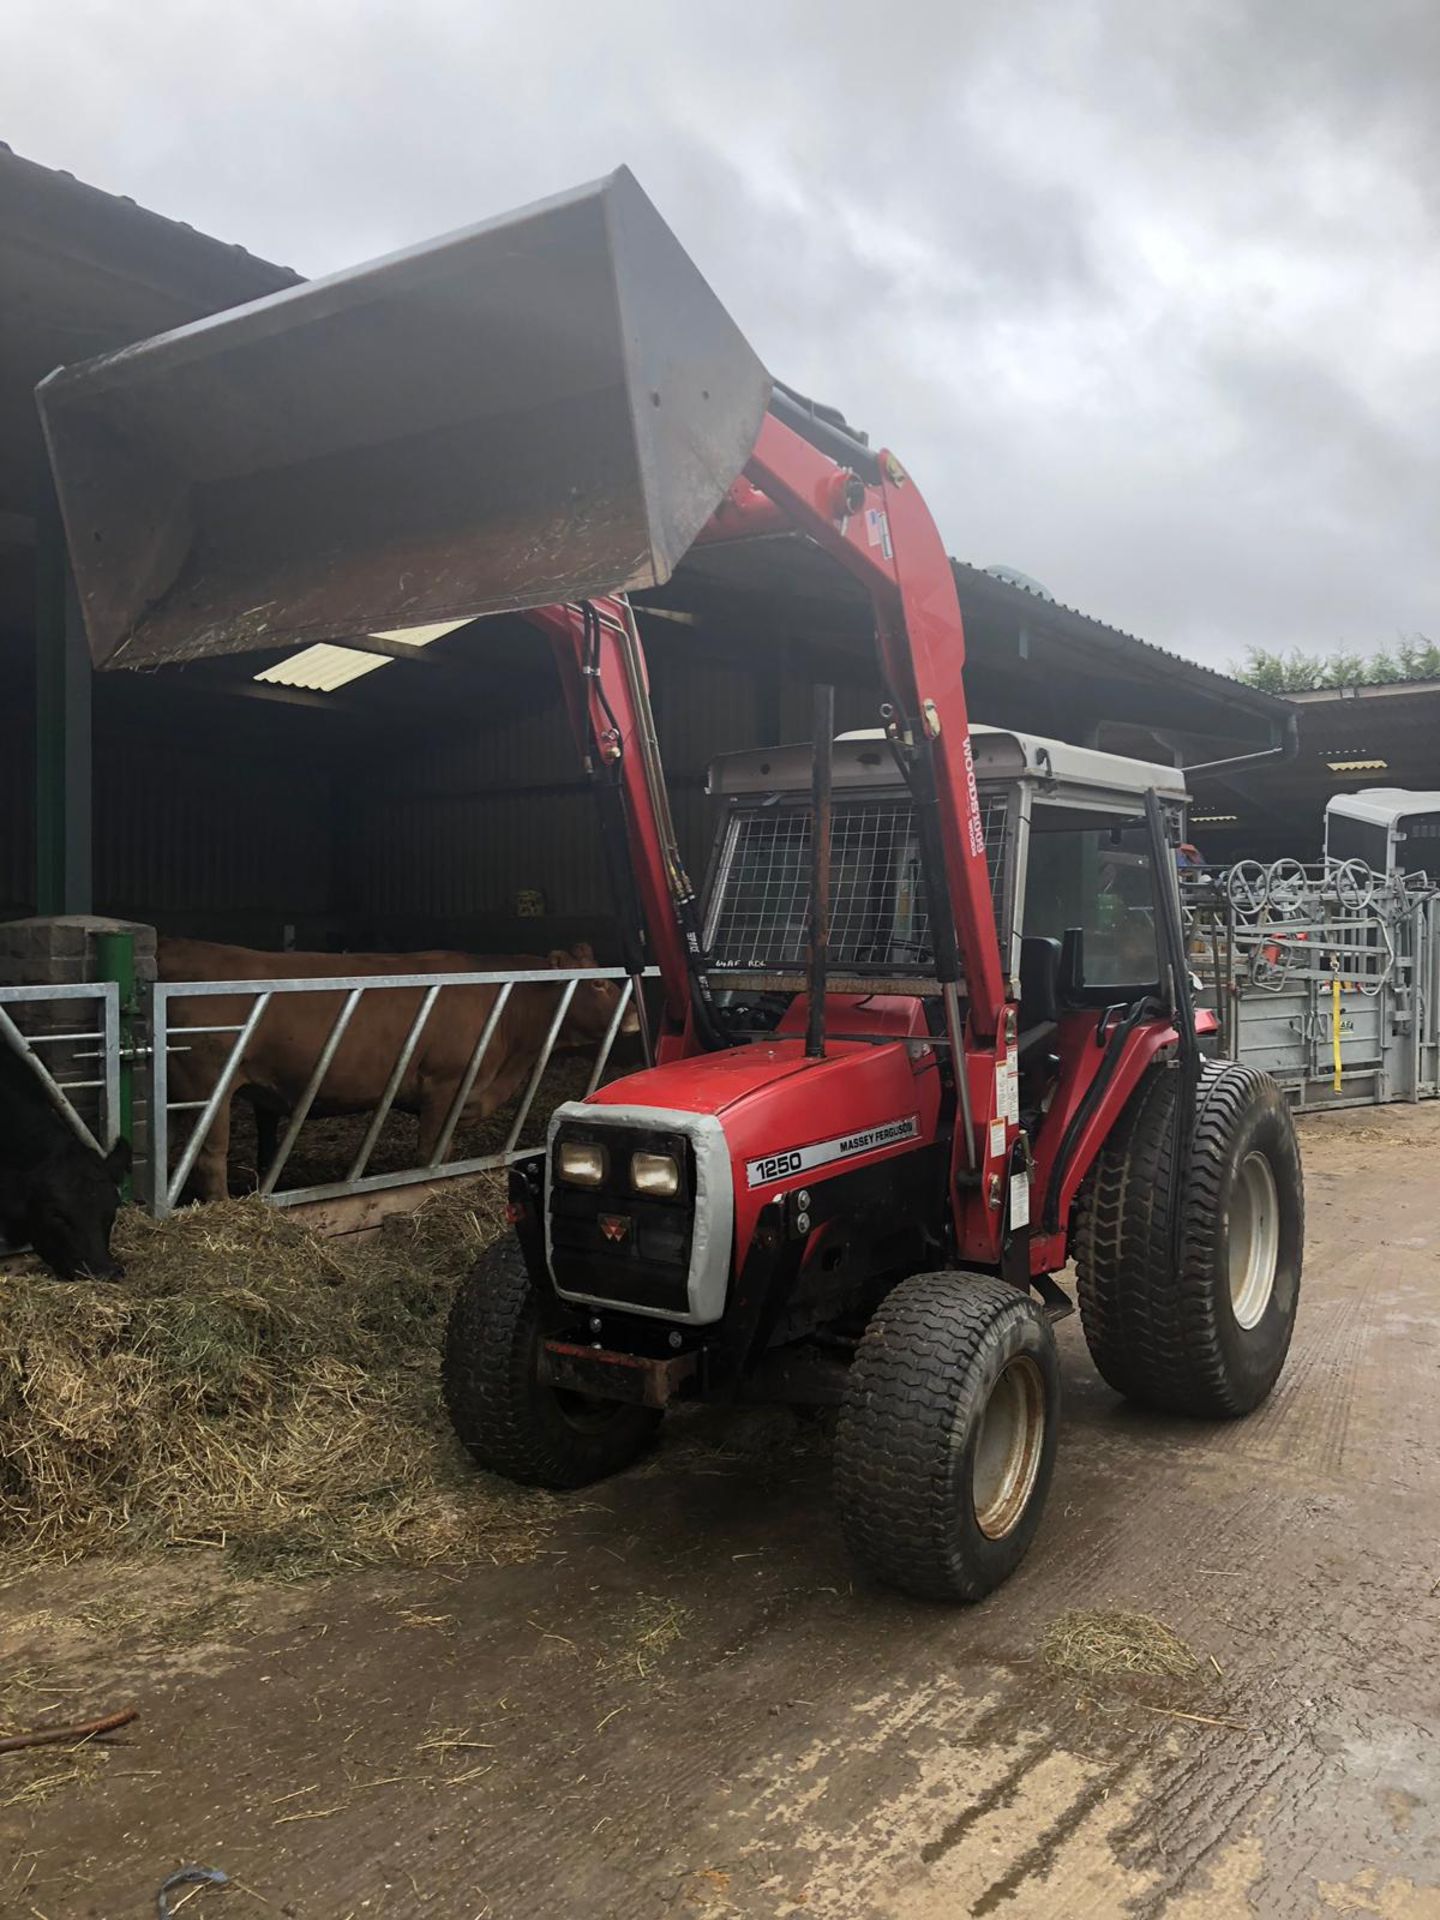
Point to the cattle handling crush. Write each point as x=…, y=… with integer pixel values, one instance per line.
x=931, y=1034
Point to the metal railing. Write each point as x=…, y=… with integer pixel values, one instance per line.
x=169, y=1036
x=1326, y=976
x=101, y=1044
x=81, y=1043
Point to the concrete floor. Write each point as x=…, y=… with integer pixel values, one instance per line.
x=690, y=1706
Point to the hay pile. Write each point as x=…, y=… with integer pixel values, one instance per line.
x=250, y=1387
x=1108, y=1642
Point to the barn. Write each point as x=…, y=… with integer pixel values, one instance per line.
x=403, y=792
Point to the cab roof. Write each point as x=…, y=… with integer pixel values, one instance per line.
x=862, y=760
x=1382, y=806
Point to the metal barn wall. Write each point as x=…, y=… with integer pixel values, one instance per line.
x=209, y=817
x=17, y=813
x=446, y=840
x=213, y=844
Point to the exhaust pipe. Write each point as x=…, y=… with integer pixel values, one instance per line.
x=541, y=408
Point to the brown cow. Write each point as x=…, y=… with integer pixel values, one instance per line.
x=281, y=1053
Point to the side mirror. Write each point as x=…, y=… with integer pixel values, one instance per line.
x=1072, y=965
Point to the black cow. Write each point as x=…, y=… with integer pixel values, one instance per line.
x=56, y=1193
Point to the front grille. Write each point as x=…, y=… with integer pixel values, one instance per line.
x=879, y=916
x=649, y=1265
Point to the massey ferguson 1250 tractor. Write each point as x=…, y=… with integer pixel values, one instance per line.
x=928, y=1036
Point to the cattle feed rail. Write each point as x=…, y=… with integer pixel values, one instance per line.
x=167, y=1182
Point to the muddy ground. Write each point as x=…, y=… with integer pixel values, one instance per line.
x=688, y=1704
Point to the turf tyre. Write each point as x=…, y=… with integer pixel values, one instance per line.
x=1176, y=1342
x=512, y=1422
x=913, y=1418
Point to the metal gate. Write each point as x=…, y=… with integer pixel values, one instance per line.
x=175, y=1143
x=69, y=1037
x=1327, y=977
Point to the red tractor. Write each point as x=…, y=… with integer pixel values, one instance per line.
x=929, y=1035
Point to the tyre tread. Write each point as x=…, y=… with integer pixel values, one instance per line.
x=911, y=1384
x=1154, y=1337
x=489, y=1385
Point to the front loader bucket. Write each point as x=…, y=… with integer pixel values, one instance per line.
x=546, y=406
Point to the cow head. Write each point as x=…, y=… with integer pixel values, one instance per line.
x=593, y=1007
x=65, y=1207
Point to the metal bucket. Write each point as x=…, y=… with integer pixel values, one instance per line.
x=548, y=405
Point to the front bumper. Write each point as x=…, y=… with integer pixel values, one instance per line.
x=636, y=1378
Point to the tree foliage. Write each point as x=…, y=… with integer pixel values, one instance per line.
x=1412, y=658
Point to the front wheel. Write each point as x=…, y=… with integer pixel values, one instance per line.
x=513, y=1422
x=946, y=1441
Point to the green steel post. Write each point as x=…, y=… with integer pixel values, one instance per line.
x=115, y=960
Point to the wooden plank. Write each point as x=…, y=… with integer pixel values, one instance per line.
x=365, y=1213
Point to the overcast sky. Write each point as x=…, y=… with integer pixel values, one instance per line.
x=1147, y=296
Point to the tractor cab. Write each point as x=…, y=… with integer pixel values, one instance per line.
x=1073, y=888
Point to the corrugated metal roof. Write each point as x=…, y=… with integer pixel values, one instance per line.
x=30, y=176
x=1053, y=613
x=86, y=271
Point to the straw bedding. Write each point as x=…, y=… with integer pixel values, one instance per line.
x=250, y=1387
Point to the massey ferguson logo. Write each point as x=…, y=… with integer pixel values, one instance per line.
x=778, y=1166
x=615, y=1226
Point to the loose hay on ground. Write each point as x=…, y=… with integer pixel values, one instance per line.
x=250, y=1386
x=1107, y=1643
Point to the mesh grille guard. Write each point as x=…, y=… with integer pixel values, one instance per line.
x=880, y=918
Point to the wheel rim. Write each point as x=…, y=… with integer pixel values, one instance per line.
x=1008, y=1445
x=583, y=1411
x=1254, y=1239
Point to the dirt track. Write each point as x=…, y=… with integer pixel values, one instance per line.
x=689, y=1706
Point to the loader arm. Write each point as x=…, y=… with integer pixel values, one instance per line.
x=600, y=698
x=884, y=536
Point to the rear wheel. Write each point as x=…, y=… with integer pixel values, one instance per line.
x=946, y=1441
x=1210, y=1340
x=512, y=1421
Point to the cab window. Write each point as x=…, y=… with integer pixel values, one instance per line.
x=1100, y=879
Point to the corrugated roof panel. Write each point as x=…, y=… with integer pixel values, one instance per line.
x=323, y=668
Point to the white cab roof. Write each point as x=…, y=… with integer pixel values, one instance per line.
x=863, y=760
x=1382, y=806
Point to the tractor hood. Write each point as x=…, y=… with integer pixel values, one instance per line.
x=782, y=1113
x=716, y=1082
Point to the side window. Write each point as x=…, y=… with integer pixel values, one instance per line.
x=1101, y=880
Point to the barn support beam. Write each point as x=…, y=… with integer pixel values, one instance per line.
x=64, y=880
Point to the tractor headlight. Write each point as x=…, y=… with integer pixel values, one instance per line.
x=655, y=1173
x=581, y=1163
